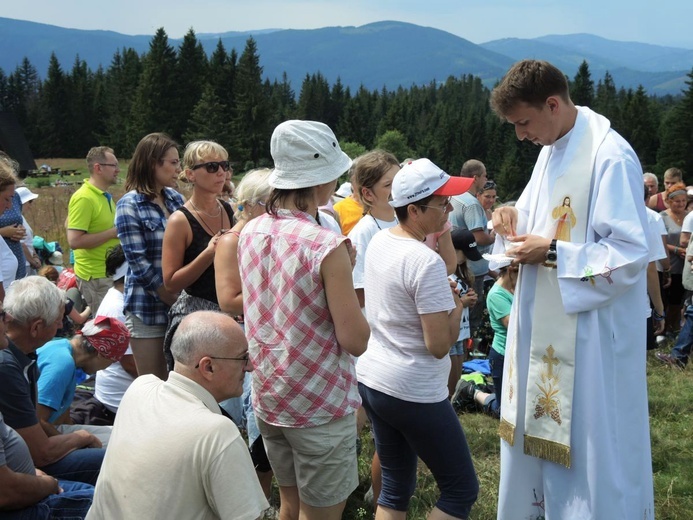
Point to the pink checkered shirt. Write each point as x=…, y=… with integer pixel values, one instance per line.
x=302, y=376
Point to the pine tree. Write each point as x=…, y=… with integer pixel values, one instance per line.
x=677, y=134
x=582, y=87
x=154, y=107
x=640, y=126
x=120, y=88
x=222, y=74
x=191, y=76
x=251, y=114
x=52, y=116
x=207, y=120
x=79, y=129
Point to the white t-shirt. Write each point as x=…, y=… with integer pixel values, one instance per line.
x=112, y=382
x=8, y=265
x=687, y=225
x=28, y=241
x=360, y=236
x=327, y=221
x=659, y=228
x=403, y=279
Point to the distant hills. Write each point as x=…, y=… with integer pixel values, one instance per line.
x=388, y=53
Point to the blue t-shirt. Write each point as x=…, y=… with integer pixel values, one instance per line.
x=58, y=376
x=498, y=301
x=467, y=213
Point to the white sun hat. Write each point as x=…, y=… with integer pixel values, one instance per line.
x=305, y=154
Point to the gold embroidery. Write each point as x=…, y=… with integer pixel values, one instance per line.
x=546, y=402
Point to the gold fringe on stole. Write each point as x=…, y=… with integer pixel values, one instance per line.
x=507, y=432
x=547, y=450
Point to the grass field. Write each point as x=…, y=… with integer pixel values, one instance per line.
x=670, y=398
x=671, y=422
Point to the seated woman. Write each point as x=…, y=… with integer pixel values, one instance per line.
x=414, y=317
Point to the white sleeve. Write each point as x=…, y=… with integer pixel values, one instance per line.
x=592, y=274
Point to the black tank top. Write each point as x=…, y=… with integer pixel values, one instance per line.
x=205, y=286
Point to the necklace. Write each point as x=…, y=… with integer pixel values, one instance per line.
x=204, y=222
x=204, y=212
x=377, y=223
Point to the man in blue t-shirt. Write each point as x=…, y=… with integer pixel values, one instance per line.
x=467, y=213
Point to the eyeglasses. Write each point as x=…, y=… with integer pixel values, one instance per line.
x=243, y=358
x=490, y=185
x=213, y=166
x=112, y=165
x=442, y=207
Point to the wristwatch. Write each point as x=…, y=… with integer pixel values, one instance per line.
x=552, y=254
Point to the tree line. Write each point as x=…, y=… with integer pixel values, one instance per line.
x=190, y=95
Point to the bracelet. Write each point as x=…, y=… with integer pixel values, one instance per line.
x=676, y=250
x=658, y=317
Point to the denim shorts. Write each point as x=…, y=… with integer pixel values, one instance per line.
x=140, y=330
x=458, y=348
x=402, y=437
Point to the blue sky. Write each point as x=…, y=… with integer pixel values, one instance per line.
x=663, y=22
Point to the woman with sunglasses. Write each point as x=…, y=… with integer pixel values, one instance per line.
x=141, y=217
x=192, y=233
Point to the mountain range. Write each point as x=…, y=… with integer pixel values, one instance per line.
x=388, y=53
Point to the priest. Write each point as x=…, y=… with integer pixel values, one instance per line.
x=574, y=425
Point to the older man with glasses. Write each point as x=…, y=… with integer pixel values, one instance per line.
x=171, y=440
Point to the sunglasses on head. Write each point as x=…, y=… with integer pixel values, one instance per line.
x=213, y=166
x=490, y=185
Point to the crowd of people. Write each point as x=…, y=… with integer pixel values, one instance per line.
x=296, y=311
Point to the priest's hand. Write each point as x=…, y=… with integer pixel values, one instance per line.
x=532, y=249
x=505, y=221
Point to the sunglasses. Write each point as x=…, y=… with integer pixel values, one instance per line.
x=490, y=185
x=213, y=166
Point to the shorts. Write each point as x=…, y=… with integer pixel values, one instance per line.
x=458, y=348
x=320, y=461
x=140, y=330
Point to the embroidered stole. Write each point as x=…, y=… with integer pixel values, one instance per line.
x=549, y=393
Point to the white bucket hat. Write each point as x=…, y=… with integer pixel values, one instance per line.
x=306, y=154
x=25, y=194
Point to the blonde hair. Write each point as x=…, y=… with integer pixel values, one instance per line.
x=253, y=188
x=196, y=151
x=7, y=177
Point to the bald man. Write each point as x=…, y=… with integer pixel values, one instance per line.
x=172, y=454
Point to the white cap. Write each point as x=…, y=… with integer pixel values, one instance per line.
x=344, y=190
x=420, y=179
x=306, y=154
x=120, y=272
x=25, y=194
x=56, y=258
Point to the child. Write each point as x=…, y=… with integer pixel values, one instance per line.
x=465, y=249
x=499, y=302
